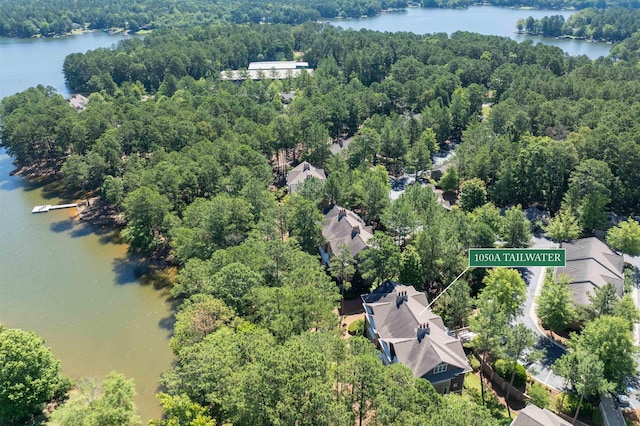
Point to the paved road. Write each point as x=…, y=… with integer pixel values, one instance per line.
x=542, y=368
x=634, y=394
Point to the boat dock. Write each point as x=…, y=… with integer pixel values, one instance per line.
x=46, y=208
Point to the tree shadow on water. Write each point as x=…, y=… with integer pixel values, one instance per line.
x=128, y=270
x=168, y=324
x=9, y=183
x=77, y=229
x=65, y=225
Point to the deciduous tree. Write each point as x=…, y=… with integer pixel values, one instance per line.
x=611, y=341
x=197, y=317
x=516, y=229
x=625, y=237
x=506, y=289
x=519, y=342
x=29, y=375
x=449, y=180
x=144, y=209
x=603, y=300
x=563, y=227
x=585, y=371
x=381, y=260
x=554, y=303
x=473, y=194
x=455, y=305
x=179, y=410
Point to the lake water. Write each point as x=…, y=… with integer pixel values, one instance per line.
x=66, y=281
x=73, y=285
x=27, y=62
x=486, y=20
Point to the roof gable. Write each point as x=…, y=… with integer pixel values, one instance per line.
x=418, y=337
x=343, y=226
x=301, y=172
x=590, y=265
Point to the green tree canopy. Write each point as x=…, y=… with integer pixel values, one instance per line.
x=197, y=317
x=145, y=210
x=589, y=193
x=29, y=375
x=516, y=229
x=449, y=181
x=110, y=404
x=603, y=300
x=611, y=341
x=381, y=260
x=473, y=194
x=563, y=227
x=455, y=305
x=555, y=303
x=179, y=410
x=506, y=289
x=585, y=371
x=625, y=237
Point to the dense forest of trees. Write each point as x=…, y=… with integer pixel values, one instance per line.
x=55, y=17
x=28, y=18
x=188, y=160
x=614, y=24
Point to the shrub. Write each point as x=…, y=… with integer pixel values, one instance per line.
x=539, y=396
x=503, y=368
x=473, y=362
x=567, y=403
x=356, y=328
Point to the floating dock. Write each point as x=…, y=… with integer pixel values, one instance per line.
x=47, y=207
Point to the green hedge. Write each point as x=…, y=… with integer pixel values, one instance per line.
x=567, y=403
x=503, y=368
x=539, y=396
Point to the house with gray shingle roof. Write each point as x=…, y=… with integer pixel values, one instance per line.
x=302, y=172
x=591, y=264
x=78, y=101
x=535, y=416
x=405, y=330
x=342, y=226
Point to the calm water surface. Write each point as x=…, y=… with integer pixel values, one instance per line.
x=69, y=282
x=486, y=20
x=28, y=62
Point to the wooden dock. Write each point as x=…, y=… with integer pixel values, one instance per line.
x=47, y=207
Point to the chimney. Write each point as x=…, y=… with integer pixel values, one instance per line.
x=305, y=166
x=341, y=213
x=355, y=231
x=423, y=330
x=402, y=297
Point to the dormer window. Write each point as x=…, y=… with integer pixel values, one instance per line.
x=440, y=368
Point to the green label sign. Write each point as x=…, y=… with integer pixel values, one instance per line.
x=516, y=258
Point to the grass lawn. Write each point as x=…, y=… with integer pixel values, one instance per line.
x=473, y=390
x=471, y=381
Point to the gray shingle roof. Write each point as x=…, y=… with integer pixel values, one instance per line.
x=343, y=226
x=535, y=416
x=303, y=171
x=591, y=264
x=397, y=313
